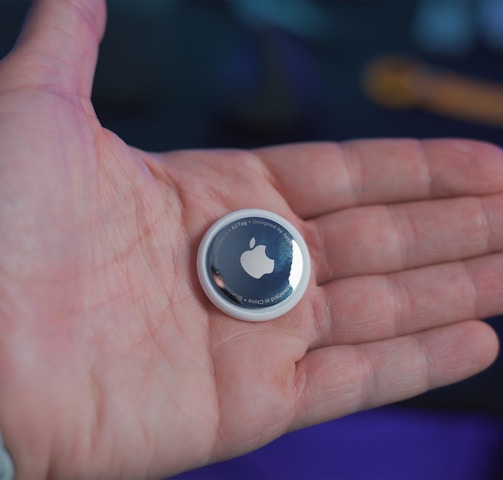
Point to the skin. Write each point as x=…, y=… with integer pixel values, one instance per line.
x=113, y=364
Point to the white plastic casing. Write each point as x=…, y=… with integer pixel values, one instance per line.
x=253, y=265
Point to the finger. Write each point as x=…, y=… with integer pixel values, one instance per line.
x=320, y=178
x=336, y=381
x=58, y=47
x=366, y=309
x=388, y=238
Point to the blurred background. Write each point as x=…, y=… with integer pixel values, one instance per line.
x=245, y=73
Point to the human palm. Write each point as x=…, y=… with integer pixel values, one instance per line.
x=115, y=365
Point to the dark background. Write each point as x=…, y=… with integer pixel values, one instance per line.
x=203, y=74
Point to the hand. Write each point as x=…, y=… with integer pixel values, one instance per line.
x=113, y=364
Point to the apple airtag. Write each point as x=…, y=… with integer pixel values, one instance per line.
x=254, y=265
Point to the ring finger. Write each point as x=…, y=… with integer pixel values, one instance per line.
x=371, y=308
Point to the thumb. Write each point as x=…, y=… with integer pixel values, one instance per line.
x=58, y=47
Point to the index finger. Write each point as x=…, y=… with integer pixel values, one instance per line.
x=322, y=177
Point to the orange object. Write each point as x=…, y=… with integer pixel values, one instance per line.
x=398, y=82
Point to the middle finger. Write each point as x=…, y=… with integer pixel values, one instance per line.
x=389, y=238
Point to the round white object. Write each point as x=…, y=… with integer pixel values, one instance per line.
x=253, y=265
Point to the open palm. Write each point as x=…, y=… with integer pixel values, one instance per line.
x=113, y=364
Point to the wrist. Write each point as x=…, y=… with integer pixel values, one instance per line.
x=6, y=463
x=19, y=460
x=21, y=425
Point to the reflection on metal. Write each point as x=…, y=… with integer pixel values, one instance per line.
x=297, y=266
x=398, y=82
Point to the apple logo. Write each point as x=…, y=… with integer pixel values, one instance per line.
x=255, y=261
